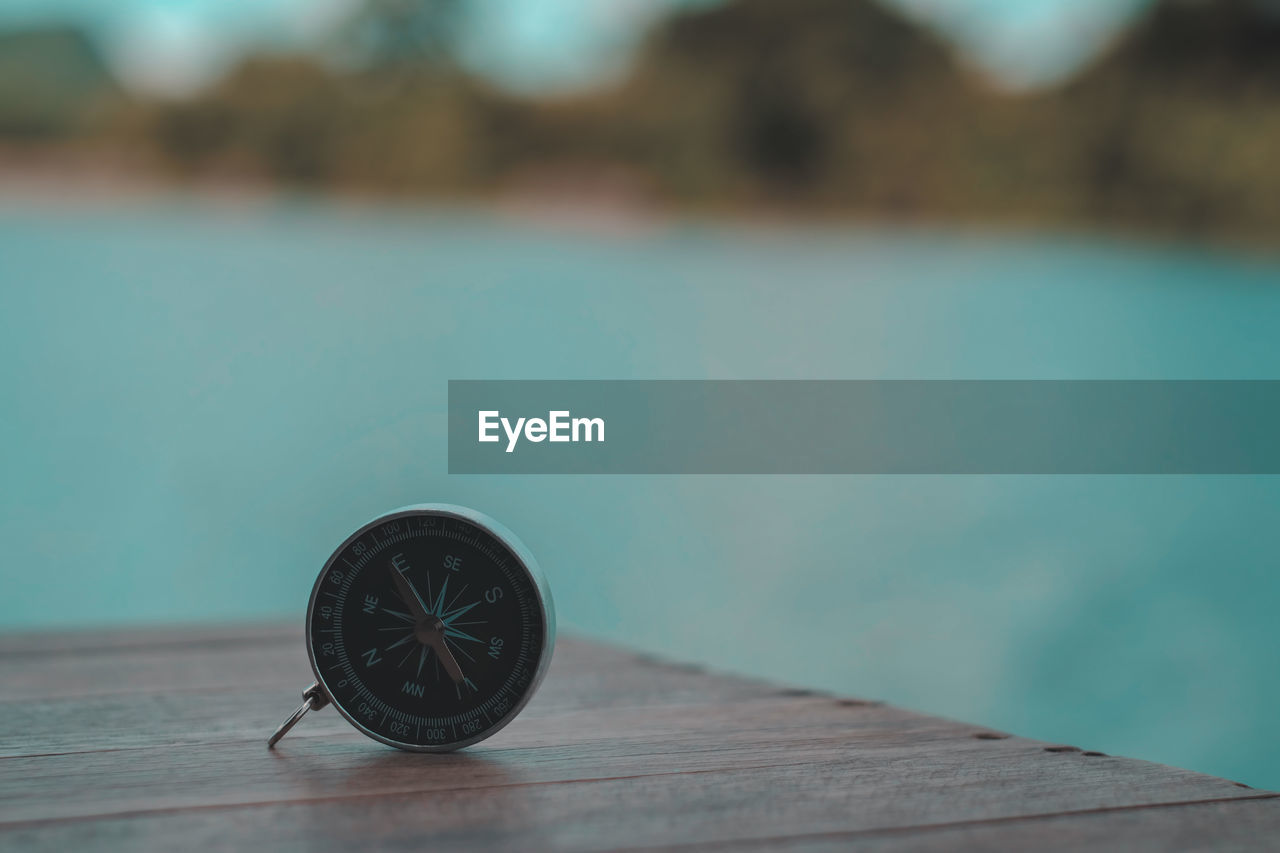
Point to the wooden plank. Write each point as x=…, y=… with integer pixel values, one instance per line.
x=1221, y=826
x=801, y=802
x=117, y=640
x=265, y=661
x=152, y=739
x=166, y=664
x=172, y=703
x=167, y=669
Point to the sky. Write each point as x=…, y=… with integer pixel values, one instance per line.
x=177, y=46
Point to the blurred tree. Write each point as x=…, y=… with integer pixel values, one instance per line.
x=404, y=34
x=51, y=80
x=399, y=116
x=784, y=93
x=1225, y=45
x=1177, y=123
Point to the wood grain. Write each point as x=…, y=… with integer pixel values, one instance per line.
x=155, y=739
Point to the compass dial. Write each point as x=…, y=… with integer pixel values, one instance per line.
x=430, y=627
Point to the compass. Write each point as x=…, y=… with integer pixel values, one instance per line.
x=428, y=629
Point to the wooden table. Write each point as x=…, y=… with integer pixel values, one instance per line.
x=156, y=740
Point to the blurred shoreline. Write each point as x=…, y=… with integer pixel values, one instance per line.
x=87, y=180
x=746, y=110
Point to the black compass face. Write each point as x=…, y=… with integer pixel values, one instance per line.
x=426, y=630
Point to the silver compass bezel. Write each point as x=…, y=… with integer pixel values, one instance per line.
x=526, y=562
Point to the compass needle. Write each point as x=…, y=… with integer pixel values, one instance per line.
x=460, y=650
x=406, y=590
x=449, y=607
x=450, y=616
x=400, y=642
x=438, y=607
x=460, y=635
x=441, y=648
x=386, y=644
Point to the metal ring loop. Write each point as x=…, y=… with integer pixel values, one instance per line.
x=314, y=700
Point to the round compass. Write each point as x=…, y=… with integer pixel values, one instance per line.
x=428, y=629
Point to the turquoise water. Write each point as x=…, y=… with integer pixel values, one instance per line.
x=200, y=401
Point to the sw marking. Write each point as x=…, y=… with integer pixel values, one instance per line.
x=558, y=426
